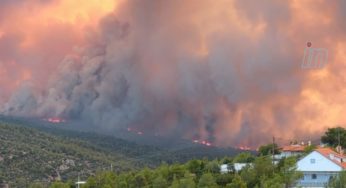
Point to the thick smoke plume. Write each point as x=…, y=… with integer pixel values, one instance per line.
x=227, y=71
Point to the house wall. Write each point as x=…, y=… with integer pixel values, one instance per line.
x=289, y=153
x=317, y=164
x=321, y=164
x=321, y=180
x=224, y=168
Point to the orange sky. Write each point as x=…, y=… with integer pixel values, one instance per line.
x=35, y=34
x=238, y=61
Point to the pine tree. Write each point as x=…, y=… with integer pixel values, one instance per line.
x=207, y=181
x=237, y=182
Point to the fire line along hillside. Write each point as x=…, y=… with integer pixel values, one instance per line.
x=147, y=147
x=46, y=153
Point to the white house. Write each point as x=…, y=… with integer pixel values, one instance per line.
x=224, y=168
x=291, y=150
x=319, y=167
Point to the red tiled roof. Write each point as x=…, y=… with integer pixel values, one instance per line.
x=294, y=148
x=328, y=151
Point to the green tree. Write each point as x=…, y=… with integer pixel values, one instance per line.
x=122, y=179
x=331, y=137
x=195, y=166
x=163, y=170
x=187, y=182
x=213, y=167
x=140, y=180
x=245, y=157
x=223, y=179
x=288, y=171
x=309, y=149
x=338, y=181
x=268, y=149
x=272, y=182
x=177, y=170
x=226, y=160
x=249, y=176
x=148, y=174
x=237, y=182
x=130, y=179
x=207, y=181
x=159, y=182
x=37, y=185
x=102, y=179
x=175, y=183
x=261, y=167
x=59, y=185
x=91, y=182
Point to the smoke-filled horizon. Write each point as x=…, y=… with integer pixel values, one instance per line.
x=226, y=71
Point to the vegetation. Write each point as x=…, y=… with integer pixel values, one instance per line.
x=38, y=156
x=245, y=157
x=332, y=136
x=268, y=149
x=339, y=181
x=309, y=149
x=200, y=174
x=33, y=154
x=151, y=150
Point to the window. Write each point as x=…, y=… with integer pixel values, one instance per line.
x=312, y=161
x=313, y=176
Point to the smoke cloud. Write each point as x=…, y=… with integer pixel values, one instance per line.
x=227, y=71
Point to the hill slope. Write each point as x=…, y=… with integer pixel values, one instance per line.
x=35, y=155
x=31, y=151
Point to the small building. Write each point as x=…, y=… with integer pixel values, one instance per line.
x=226, y=168
x=319, y=167
x=291, y=150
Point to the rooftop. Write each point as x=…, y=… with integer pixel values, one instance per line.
x=294, y=148
x=337, y=158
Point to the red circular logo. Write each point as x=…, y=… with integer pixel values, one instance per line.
x=308, y=44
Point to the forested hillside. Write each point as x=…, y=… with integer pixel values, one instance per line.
x=28, y=155
x=199, y=174
x=31, y=153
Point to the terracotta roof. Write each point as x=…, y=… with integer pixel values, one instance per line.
x=294, y=148
x=326, y=152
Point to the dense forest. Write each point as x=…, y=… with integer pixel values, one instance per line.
x=37, y=156
x=259, y=172
x=33, y=153
x=199, y=173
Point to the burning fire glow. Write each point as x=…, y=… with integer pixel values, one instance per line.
x=226, y=71
x=244, y=148
x=134, y=131
x=202, y=142
x=55, y=120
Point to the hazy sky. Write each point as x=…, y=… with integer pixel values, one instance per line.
x=228, y=71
